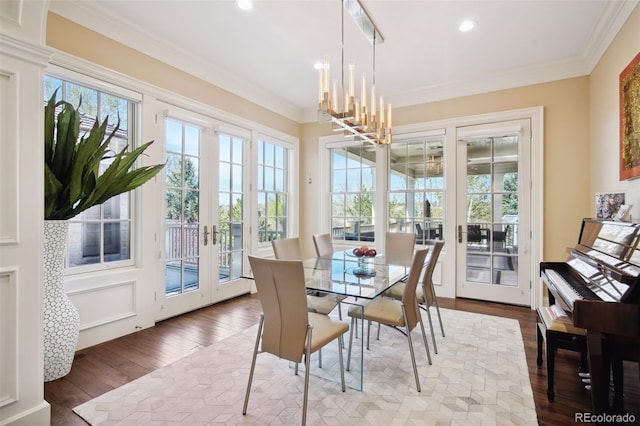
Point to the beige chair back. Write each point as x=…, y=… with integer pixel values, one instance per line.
x=435, y=247
x=409, y=300
x=281, y=290
x=323, y=244
x=287, y=249
x=399, y=247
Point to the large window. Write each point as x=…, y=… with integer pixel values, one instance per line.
x=353, y=171
x=273, y=194
x=416, y=187
x=102, y=235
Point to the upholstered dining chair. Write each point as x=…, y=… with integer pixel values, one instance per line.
x=324, y=247
x=426, y=293
x=289, y=249
x=286, y=329
x=398, y=247
x=323, y=244
x=398, y=314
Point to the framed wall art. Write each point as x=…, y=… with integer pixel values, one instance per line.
x=630, y=120
x=608, y=204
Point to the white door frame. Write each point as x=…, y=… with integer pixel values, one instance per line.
x=488, y=285
x=535, y=187
x=169, y=306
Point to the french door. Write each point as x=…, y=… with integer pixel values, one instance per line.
x=204, y=231
x=493, y=206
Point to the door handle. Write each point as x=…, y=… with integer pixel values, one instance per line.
x=460, y=233
x=206, y=235
x=214, y=235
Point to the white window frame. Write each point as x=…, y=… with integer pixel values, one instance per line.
x=376, y=213
x=135, y=125
x=287, y=190
x=439, y=132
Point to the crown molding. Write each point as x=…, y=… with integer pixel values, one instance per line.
x=613, y=18
x=25, y=50
x=104, y=22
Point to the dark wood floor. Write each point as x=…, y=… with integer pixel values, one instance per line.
x=106, y=366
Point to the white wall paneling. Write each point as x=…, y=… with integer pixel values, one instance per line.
x=23, y=57
x=8, y=336
x=8, y=158
x=105, y=304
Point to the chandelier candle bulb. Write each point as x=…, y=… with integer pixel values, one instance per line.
x=334, y=99
x=373, y=103
x=326, y=74
x=363, y=94
x=389, y=118
x=351, y=81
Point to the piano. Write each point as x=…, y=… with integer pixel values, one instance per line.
x=599, y=288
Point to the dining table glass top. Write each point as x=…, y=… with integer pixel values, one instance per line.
x=345, y=274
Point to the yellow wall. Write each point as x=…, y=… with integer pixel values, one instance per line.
x=566, y=151
x=605, y=113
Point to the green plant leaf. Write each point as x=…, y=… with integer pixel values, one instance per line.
x=73, y=182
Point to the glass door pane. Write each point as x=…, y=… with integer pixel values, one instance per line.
x=182, y=208
x=230, y=207
x=492, y=210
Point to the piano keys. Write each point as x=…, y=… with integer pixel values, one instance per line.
x=599, y=287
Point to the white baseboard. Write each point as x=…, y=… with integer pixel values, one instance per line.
x=36, y=416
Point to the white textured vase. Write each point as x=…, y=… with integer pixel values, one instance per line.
x=61, y=320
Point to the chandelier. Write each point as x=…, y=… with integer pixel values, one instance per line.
x=434, y=165
x=355, y=115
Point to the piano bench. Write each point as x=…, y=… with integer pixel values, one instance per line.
x=559, y=333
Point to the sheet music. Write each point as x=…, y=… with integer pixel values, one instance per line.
x=606, y=288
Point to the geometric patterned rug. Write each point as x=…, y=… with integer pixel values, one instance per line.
x=479, y=376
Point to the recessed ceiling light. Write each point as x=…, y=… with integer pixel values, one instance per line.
x=467, y=25
x=245, y=4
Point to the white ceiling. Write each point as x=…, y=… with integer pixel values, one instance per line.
x=267, y=54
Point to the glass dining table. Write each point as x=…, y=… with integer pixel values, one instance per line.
x=353, y=281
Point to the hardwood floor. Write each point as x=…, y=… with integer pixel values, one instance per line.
x=106, y=366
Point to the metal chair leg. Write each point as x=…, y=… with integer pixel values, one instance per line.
x=435, y=301
x=433, y=334
x=307, y=363
x=413, y=357
x=424, y=338
x=253, y=365
x=341, y=360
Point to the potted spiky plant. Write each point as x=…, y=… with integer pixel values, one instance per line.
x=72, y=184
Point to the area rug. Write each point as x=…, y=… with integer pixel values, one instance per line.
x=479, y=376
